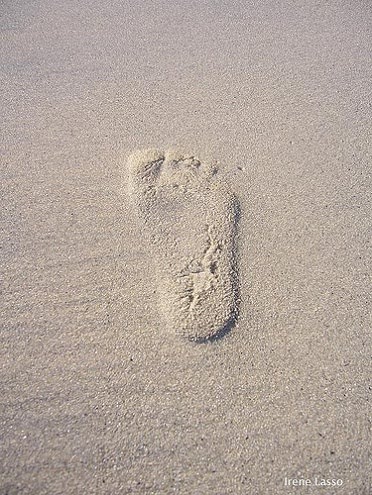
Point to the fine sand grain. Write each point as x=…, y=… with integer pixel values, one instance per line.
x=119, y=276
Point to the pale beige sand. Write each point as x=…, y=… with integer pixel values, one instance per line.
x=97, y=395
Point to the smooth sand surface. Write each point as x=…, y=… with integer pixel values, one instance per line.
x=98, y=395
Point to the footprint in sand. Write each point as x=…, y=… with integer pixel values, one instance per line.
x=191, y=218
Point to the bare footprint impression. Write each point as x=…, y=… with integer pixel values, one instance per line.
x=191, y=221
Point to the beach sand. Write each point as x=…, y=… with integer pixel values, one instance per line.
x=100, y=393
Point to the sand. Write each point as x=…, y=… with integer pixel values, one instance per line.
x=99, y=395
